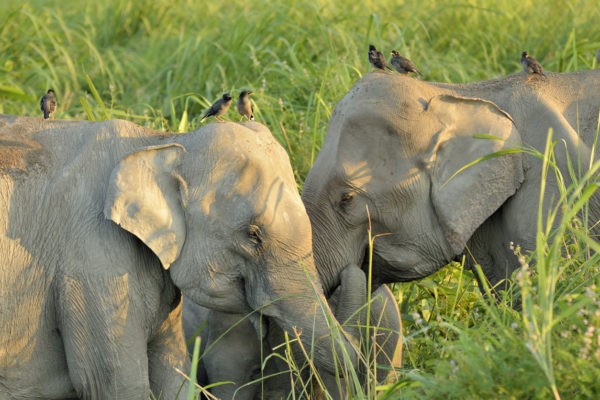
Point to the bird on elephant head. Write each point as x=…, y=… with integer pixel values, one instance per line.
x=244, y=105
x=48, y=103
x=136, y=218
x=403, y=64
x=437, y=170
x=377, y=59
x=531, y=66
x=218, y=108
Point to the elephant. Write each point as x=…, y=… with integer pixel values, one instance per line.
x=104, y=225
x=234, y=348
x=421, y=173
x=229, y=351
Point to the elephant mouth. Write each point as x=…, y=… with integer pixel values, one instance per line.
x=372, y=265
x=383, y=270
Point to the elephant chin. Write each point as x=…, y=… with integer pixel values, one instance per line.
x=377, y=267
x=387, y=271
x=222, y=303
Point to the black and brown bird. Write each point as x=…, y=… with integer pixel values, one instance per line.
x=244, y=105
x=598, y=57
x=219, y=108
x=48, y=103
x=377, y=59
x=403, y=64
x=531, y=66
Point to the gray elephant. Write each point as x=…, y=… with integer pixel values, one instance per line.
x=234, y=346
x=390, y=160
x=105, y=224
x=230, y=349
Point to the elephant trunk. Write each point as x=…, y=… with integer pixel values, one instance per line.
x=300, y=308
x=349, y=300
x=311, y=320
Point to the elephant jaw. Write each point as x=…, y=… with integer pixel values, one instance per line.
x=385, y=270
x=219, y=301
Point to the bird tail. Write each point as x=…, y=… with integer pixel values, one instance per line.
x=251, y=117
x=46, y=115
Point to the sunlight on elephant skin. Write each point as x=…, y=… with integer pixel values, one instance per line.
x=358, y=173
x=105, y=224
x=452, y=170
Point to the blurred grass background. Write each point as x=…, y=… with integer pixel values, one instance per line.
x=161, y=63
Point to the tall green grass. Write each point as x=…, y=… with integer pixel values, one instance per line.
x=548, y=349
x=161, y=63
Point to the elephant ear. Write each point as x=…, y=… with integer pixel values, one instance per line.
x=144, y=198
x=473, y=131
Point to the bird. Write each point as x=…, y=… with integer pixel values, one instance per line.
x=48, y=103
x=377, y=59
x=244, y=105
x=598, y=57
x=403, y=64
x=219, y=108
x=531, y=66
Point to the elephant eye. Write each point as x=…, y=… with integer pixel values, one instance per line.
x=254, y=234
x=346, y=199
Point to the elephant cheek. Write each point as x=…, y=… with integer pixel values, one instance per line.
x=388, y=268
x=260, y=295
x=229, y=303
x=211, y=291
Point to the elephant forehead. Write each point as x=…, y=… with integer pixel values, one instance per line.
x=358, y=173
x=250, y=188
x=395, y=94
x=362, y=144
x=253, y=153
x=273, y=206
x=367, y=127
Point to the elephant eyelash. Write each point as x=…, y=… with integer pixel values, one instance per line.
x=254, y=234
x=346, y=198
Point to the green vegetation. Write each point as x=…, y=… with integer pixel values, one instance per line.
x=161, y=63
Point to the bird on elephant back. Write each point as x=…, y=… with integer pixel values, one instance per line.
x=441, y=170
x=103, y=226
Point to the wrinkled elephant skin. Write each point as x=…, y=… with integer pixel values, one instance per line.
x=104, y=224
x=390, y=160
x=236, y=347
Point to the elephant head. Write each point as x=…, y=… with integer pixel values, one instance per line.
x=392, y=160
x=224, y=217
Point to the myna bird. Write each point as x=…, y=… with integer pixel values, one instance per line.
x=48, y=103
x=244, y=105
x=403, y=64
x=377, y=59
x=219, y=108
x=598, y=57
x=531, y=66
